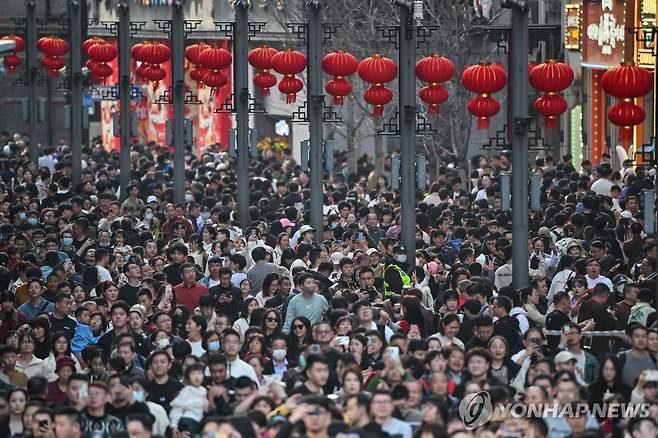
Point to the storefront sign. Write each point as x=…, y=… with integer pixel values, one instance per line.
x=646, y=44
x=572, y=23
x=604, y=32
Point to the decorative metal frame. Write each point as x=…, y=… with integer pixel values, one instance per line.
x=301, y=113
x=500, y=141
x=225, y=28
x=537, y=33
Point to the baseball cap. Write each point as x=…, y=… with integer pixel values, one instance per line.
x=285, y=223
x=151, y=199
x=564, y=356
x=139, y=309
x=306, y=229
x=371, y=251
x=398, y=249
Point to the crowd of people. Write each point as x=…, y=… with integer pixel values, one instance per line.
x=130, y=315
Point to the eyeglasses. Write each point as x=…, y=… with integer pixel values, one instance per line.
x=297, y=327
x=272, y=320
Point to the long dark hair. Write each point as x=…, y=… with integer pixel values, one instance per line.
x=267, y=284
x=57, y=336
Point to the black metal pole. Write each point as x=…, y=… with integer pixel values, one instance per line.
x=178, y=86
x=31, y=54
x=407, y=123
x=315, y=114
x=241, y=99
x=76, y=90
x=519, y=100
x=123, y=10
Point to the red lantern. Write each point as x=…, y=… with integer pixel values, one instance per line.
x=377, y=70
x=12, y=60
x=264, y=80
x=550, y=105
x=90, y=42
x=378, y=96
x=154, y=73
x=53, y=64
x=102, y=71
x=290, y=86
x=338, y=88
x=340, y=65
x=215, y=80
x=214, y=59
x=260, y=58
x=193, y=52
x=52, y=48
x=102, y=52
x=197, y=74
x=193, y=56
x=626, y=82
x=484, y=79
x=433, y=96
x=289, y=62
x=434, y=69
x=626, y=115
x=136, y=52
x=155, y=53
x=551, y=77
x=483, y=107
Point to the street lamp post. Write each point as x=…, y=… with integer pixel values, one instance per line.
x=519, y=100
x=315, y=114
x=76, y=90
x=178, y=98
x=407, y=123
x=241, y=97
x=32, y=71
x=125, y=88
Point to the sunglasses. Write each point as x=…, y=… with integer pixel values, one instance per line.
x=297, y=327
x=272, y=320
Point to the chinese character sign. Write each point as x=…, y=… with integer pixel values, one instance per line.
x=603, y=32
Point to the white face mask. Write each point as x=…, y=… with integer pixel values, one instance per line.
x=163, y=343
x=189, y=197
x=148, y=216
x=401, y=258
x=279, y=354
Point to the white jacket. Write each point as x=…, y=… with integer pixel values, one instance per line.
x=189, y=403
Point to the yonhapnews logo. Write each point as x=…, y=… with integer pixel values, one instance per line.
x=475, y=409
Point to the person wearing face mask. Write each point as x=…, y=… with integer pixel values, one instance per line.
x=395, y=272
x=279, y=364
x=139, y=393
x=122, y=401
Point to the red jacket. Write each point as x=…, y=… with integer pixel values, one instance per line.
x=189, y=296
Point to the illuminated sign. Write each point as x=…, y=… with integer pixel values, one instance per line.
x=646, y=44
x=572, y=23
x=604, y=32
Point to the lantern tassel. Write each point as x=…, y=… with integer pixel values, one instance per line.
x=626, y=134
x=264, y=92
x=378, y=110
x=550, y=122
x=482, y=123
x=291, y=98
x=433, y=109
x=338, y=100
